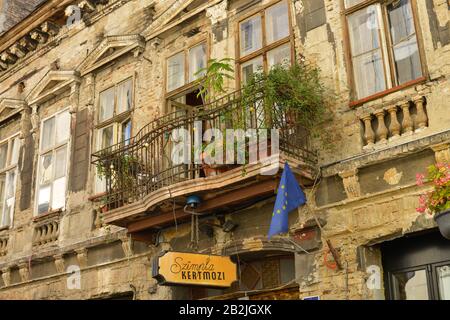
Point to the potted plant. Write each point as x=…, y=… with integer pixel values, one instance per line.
x=289, y=96
x=437, y=201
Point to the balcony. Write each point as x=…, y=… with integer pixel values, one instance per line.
x=146, y=189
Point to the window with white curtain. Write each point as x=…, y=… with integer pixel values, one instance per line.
x=114, y=120
x=383, y=55
x=263, y=45
x=9, y=156
x=184, y=67
x=53, y=162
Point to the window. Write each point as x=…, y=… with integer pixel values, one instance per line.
x=9, y=156
x=417, y=267
x=384, y=47
x=182, y=68
x=256, y=275
x=52, y=167
x=114, y=120
x=264, y=40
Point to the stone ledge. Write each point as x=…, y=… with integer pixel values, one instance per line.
x=386, y=154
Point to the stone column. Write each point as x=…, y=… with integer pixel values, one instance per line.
x=382, y=130
x=421, y=118
x=351, y=183
x=395, y=127
x=368, y=131
x=407, y=121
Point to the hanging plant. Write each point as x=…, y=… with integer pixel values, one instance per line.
x=294, y=90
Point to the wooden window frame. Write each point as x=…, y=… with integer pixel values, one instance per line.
x=116, y=115
x=116, y=121
x=188, y=85
x=41, y=153
x=263, y=51
x=386, y=47
x=9, y=168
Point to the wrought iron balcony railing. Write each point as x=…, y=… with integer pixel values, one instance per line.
x=143, y=164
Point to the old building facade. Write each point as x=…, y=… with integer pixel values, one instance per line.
x=85, y=81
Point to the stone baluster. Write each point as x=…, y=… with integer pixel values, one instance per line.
x=407, y=120
x=368, y=131
x=395, y=127
x=382, y=131
x=421, y=118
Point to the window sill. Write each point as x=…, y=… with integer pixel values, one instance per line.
x=47, y=215
x=117, y=118
x=384, y=93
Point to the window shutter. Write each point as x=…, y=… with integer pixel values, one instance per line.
x=80, y=152
x=26, y=173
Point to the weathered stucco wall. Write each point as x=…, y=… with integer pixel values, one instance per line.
x=366, y=195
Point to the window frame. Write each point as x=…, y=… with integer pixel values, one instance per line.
x=265, y=48
x=7, y=170
x=115, y=115
x=188, y=85
x=116, y=121
x=41, y=153
x=386, y=49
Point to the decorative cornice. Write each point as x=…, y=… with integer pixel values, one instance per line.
x=109, y=49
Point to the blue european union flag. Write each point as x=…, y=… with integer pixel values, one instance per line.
x=290, y=196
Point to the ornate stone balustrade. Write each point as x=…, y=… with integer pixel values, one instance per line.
x=392, y=122
x=46, y=232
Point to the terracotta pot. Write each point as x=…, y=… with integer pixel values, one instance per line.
x=443, y=221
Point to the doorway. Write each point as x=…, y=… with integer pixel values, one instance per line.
x=417, y=267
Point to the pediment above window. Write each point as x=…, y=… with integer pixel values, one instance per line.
x=51, y=85
x=10, y=107
x=111, y=48
x=176, y=12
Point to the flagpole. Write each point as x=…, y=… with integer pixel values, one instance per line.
x=333, y=251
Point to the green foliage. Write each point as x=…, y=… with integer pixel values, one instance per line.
x=212, y=81
x=438, y=199
x=296, y=89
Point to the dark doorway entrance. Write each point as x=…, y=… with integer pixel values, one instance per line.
x=417, y=267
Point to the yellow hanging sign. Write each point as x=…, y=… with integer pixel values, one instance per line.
x=192, y=269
